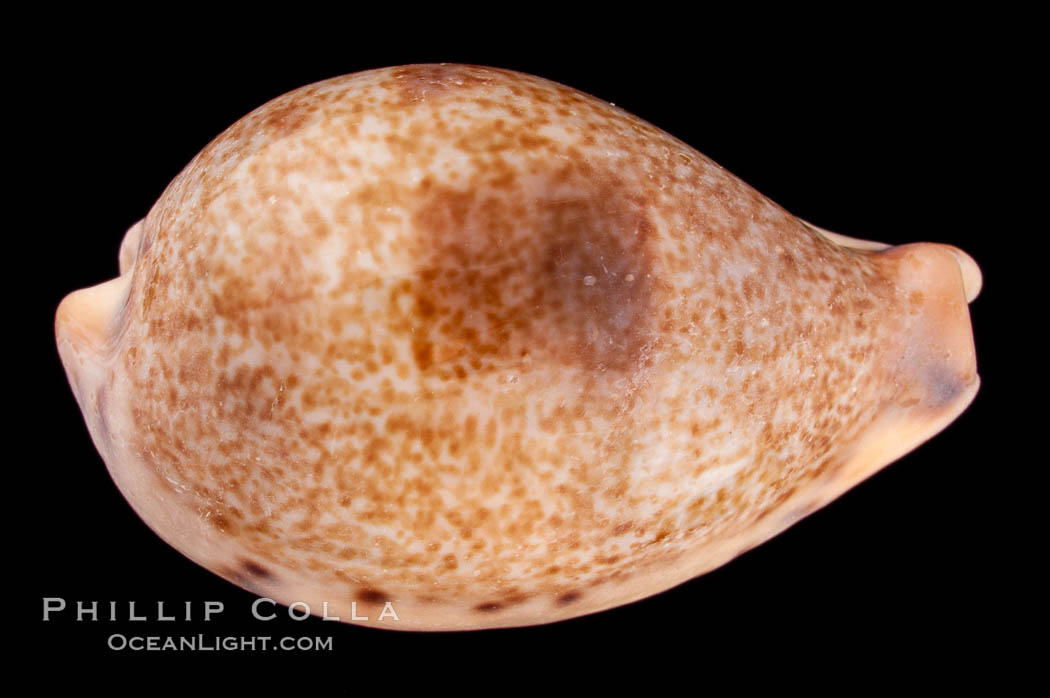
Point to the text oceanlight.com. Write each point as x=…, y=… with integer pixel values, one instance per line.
x=215, y=643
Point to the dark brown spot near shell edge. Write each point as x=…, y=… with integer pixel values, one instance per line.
x=568, y=598
x=256, y=570
x=373, y=596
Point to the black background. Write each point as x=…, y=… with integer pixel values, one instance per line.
x=889, y=134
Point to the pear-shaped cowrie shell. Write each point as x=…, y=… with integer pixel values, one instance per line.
x=495, y=352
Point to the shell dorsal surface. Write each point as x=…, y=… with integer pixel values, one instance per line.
x=495, y=351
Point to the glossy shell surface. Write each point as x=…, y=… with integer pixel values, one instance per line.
x=494, y=351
